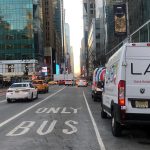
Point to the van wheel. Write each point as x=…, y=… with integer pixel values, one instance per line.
x=9, y=100
x=94, y=98
x=115, y=126
x=103, y=113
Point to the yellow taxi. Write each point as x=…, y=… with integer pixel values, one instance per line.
x=41, y=85
x=52, y=82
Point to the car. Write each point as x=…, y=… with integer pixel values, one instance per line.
x=52, y=82
x=61, y=82
x=23, y=90
x=83, y=83
x=41, y=85
x=68, y=82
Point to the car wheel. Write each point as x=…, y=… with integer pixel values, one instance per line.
x=115, y=126
x=9, y=100
x=36, y=96
x=31, y=97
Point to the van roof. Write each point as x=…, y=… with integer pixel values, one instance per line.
x=141, y=44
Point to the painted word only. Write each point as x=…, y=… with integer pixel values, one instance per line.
x=62, y=110
x=45, y=128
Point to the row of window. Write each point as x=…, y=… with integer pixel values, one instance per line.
x=15, y=56
x=16, y=37
x=9, y=2
x=11, y=46
x=11, y=67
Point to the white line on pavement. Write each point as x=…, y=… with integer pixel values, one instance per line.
x=101, y=144
x=3, y=101
x=24, y=111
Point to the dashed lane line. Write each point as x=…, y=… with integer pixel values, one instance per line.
x=99, y=139
x=24, y=111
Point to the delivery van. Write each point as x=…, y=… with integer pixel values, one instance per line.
x=98, y=83
x=126, y=95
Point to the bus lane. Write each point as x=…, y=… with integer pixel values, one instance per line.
x=61, y=122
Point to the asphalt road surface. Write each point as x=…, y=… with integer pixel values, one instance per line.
x=66, y=118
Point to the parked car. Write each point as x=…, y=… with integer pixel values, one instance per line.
x=18, y=91
x=61, y=82
x=41, y=85
x=126, y=96
x=82, y=83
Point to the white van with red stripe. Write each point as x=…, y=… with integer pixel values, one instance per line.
x=126, y=96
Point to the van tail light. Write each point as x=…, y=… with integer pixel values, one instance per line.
x=121, y=93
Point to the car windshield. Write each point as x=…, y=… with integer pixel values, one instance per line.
x=18, y=85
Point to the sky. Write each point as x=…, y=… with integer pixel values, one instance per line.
x=74, y=17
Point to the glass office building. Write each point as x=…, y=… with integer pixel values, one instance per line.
x=17, y=37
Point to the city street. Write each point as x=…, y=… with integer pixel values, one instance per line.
x=66, y=118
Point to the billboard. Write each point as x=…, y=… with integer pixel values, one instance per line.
x=120, y=19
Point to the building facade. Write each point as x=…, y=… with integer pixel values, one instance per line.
x=94, y=55
x=88, y=15
x=137, y=15
x=21, y=37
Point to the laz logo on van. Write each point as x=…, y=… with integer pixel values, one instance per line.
x=140, y=73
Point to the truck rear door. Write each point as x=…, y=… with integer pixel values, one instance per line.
x=138, y=79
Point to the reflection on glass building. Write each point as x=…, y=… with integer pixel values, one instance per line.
x=20, y=31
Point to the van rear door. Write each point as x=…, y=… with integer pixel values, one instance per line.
x=138, y=79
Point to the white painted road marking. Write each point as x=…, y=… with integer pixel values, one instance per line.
x=45, y=128
x=101, y=144
x=3, y=101
x=24, y=111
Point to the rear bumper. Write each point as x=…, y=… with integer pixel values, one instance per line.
x=18, y=96
x=137, y=118
x=97, y=95
x=130, y=118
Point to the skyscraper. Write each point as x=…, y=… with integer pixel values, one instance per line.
x=21, y=41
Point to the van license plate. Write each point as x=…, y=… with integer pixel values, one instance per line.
x=141, y=104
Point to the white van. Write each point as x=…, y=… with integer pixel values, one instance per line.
x=126, y=96
x=98, y=83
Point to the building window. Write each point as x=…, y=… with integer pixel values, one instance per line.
x=97, y=45
x=91, y=5
x=91, y=11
